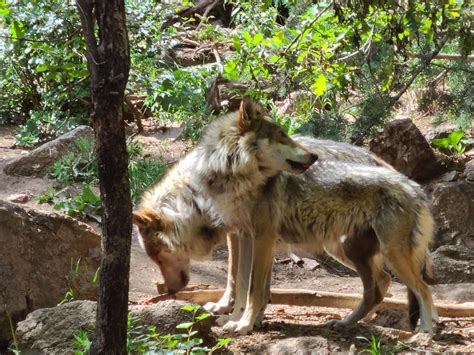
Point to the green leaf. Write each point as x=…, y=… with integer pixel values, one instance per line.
x=188, y=308
x=440, y=143
x=236, y=43
x=17, y=30
x=257, y=39
x=319, y=87
x=247, y=38
x=203, y=316
x=455, y=137
x=186, y=325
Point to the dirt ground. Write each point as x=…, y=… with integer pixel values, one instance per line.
x=281, y=322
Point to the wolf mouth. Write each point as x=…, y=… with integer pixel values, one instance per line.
x=298, y=165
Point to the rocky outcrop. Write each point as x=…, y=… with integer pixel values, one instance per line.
x=52, y=330
x=453, y=210
x=38, y=162
x=39, y=261
x=402, y=145
x=453, y=263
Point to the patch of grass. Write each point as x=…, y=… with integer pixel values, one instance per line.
x=374, y=347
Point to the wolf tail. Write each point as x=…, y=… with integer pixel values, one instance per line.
x=422, y=238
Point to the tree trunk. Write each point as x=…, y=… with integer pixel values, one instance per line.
x=108, y=60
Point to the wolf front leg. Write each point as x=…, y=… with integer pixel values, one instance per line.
x=242, y=269
x=257, y=297
x=226, y=303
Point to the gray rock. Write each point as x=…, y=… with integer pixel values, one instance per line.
x=301, y=345
x=52, y=330
x=166, y=315
x=38, y=162
x=453, y=210
x=37, y=256
x=453, y=264
x=19, y=198
x=469, y=170
x=402, y=145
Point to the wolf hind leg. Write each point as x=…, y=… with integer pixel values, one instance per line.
x=407, y=267
x=360, y=251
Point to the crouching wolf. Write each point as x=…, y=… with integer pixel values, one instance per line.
x=248, y=177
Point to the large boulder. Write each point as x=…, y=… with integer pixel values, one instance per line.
x=453, y=210
x=453, y=264
x=402, y=145
x=39, y=261
x=38, y=162
x=52, y=330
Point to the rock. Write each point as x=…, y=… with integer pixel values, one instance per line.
x=469, y=170
x=392, y=318
x=453, y=264
x=38, y=254
x=450, y=176
x=38, y=162
x=166, y=315
x=310, y=264
x=402, y=145
x=300, y=345
x=52, y=330
x=421, y=339
x=19, y=198
x=453, y=210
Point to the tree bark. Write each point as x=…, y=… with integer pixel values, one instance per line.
x=108, y=59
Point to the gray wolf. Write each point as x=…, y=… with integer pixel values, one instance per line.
x=242, y=179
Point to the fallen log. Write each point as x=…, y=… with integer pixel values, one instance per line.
x=295, y=297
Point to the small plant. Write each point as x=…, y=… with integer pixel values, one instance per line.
x=76, y=285
x=453, y=143
x=375, y=345
x=83, y=343
x=86, y=203
x=141, y=339
x=75, y=167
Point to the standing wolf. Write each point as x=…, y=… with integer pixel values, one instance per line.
x=238, y=179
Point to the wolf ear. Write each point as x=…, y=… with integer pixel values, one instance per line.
x=247, y=115
x=147, y=218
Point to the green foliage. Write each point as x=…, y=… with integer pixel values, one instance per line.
x=78, y=166
x=84, y=204
x=43, y=77
x=81, y=166
x=375, y=347
x=141, y=339
x=453, y=143
x=143, y=173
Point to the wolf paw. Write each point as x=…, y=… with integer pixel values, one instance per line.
x=243, y=328
x=218, y=308
x=338, y=324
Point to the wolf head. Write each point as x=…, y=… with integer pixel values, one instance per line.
x=274, y=150
x=174, y=264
